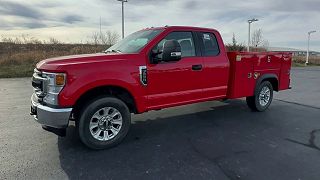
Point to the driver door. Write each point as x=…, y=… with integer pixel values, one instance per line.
x=177, y=82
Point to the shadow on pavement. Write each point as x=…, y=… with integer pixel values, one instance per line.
x=222, y=143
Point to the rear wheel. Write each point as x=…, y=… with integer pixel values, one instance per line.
x=262, y=98
x=104, y=123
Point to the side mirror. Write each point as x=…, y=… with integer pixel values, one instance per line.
x=153, y=56
x=171, y=51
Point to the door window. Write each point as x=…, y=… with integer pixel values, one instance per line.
x=209, y=44
x=186, y=42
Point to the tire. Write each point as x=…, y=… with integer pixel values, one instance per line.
x=262, y=98
x=104, y=123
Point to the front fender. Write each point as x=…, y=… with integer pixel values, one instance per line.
x=71, y=93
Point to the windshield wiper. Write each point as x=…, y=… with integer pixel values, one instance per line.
x=113, y=50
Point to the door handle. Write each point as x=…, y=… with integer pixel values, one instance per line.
x=197, y=67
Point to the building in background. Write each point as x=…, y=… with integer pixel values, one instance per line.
x=296, y=52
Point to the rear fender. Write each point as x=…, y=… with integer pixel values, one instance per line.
x=264, y=77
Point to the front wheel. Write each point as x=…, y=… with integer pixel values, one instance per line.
x=262, y=98
x=104, y=123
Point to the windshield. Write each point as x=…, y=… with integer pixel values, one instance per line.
x=134, y=42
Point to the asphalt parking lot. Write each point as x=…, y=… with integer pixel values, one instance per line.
x=211, y=140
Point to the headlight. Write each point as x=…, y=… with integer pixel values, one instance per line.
x=52, y=87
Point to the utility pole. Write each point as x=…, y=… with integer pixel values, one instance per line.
x=100, y=29
x=309, y=33
x=123, y=1
x=250, y=21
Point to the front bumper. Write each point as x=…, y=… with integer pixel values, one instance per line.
x=50, y=117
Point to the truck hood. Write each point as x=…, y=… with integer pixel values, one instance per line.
x=57, y=63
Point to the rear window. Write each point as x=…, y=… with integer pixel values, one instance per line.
x=209, y=44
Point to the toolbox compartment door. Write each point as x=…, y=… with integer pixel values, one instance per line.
x=241, y=82
x=285, y=71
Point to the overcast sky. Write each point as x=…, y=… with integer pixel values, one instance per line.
x=285, y=23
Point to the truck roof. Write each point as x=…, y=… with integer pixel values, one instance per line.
x=191, y=28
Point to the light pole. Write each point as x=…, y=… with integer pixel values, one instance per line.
x=250, y=21
x=123, y=1
x=309, y=33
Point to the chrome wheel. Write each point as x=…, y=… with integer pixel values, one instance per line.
x=105, y=124
x=264, y=96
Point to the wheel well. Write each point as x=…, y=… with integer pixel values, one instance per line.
x=274, y=82
x=115, y=91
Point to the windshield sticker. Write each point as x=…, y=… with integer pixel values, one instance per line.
x=206, y=36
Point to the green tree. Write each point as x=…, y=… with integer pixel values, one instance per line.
x=234, y=46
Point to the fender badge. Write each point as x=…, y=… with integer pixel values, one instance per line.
x=256, y=75
x=238, y=58
x=143, y=75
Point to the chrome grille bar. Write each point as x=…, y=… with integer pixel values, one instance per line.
x=39, y=83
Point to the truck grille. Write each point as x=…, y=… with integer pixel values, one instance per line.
x=38, y=82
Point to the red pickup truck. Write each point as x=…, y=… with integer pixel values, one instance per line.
x=151, y=69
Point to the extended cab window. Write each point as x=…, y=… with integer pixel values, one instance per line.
x=186, y=42
x=209, y=44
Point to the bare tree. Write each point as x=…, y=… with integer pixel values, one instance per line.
x=265, y=44
x=257, y=38
x=258, y=42
x=53, y=40
x=109, y=38
x=95, y=38
x=113, y=37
